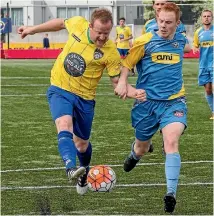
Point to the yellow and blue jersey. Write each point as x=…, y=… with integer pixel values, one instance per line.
x=204, y=39
x=151, y=25
x=80, y=65
x=159, y=65
x=123, y=33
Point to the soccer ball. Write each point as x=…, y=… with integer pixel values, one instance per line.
x=101, y=178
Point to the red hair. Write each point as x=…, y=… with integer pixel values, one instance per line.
x=172, y=7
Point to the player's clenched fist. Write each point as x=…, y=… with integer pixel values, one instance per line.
x=24, y=31
x=140, y=94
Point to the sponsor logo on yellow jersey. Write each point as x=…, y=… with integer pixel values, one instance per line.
x=207, y=44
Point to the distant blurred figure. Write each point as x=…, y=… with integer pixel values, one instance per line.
x=123, y=39
x=203, y=42
x=46, y=44
x=152, y=25
x=2, y=34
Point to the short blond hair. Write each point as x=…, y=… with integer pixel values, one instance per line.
x=207, y=10
x=102, y=14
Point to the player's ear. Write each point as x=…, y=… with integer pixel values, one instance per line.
x=90, y=25
x=178, y=22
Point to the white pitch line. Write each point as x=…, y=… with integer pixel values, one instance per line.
x=112, y=165
x=119, y=185
x=24, y=78
x=98, y=94
x=35, y=85
x=34, y=95
x=131, y=77
x=25, y=85
x=23, y=95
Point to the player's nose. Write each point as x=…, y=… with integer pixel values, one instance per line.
x=102, y=37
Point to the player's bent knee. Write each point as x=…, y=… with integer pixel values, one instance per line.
x=64, y=123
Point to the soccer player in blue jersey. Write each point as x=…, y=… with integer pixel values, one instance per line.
x=203, y=42
x=158, y=56
x=74, y=79
x=152, y=24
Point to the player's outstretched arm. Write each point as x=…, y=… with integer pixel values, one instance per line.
x=121, y=88
x=52, y=25
x=139, y=94
x=187, y=48
x=195, y=50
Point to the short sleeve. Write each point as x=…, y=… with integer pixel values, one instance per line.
x=137, y=51
x=195, y=40
x=113, y=63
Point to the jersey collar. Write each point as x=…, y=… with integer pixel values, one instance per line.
x=88, y=36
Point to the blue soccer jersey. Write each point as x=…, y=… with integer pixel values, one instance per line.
x=151, y=25
x=159, y=65
x=204, y=39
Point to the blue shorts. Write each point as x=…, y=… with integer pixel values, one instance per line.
x=62, y=103
x=205, y=76
x=122, y=52
x=151, y=115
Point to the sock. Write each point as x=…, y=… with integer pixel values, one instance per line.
x=172, y=171
x=67, y=148
x=210, y=101
x=133, y=153
x=85, y=157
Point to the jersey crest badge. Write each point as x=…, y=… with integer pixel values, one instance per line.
x=175, y=44
x=98, y=54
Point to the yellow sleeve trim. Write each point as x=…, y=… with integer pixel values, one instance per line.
x=137, y=51
x=196, y=39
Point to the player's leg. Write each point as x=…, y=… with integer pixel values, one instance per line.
x=209, y=90
x=171, y=134
x=173, y=124
x=61, y=105
x=67, y=147
x=145, y=125
x=209, y=97
x=138, y=149
x=212, y=87
x=83, y=117
x=205, y=78
x=84, y=152
x=120, y=52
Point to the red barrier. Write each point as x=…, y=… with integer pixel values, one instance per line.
x=2, y=54
x=191, y=55
x=50, y=54
x=32, y=54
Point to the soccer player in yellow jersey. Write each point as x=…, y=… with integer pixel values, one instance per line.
x=74, y=79
x=123, y=39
